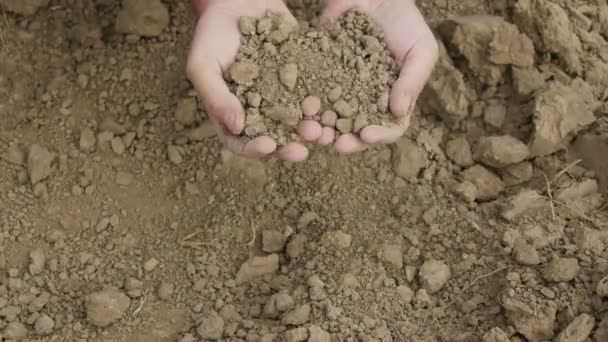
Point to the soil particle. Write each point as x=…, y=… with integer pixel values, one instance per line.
x=298, y=316
x=345, y=125
x=408, y=158
x=24, y=7
x=523, y=202
x=150, y=264
x=288, y=75
x=392, y=255
x=185, y=112
x=15, y=331
x=118, y=145
x=525, y=253
x=500, y=151
x=296, y=246
x=257, y=266
x=244, y=72
x=311, y=105
x=405, y=293
x=106, y=307
x=296, y=335
x=87, y=140
x=174, y=154
x=272, y=241
x=142, y=17
x=44, y=325
x=578, y=330
x=494, y=115
x=318, y=335
x=602, y=287
x=488, y=184
x=344, y=109
x=527, y=81
x=433, y=275
x=559, y=112
x=37, y=261
x=14, y=155
x=211, y=327
x=536, y=324
x=39, y=163
x=561, y=269
x=517, y=173
x=459, y=151
x=495, y=335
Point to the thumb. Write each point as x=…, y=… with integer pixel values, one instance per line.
x=416, y=69
x=206, y=75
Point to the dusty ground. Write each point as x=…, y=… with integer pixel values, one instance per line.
x=122, y=219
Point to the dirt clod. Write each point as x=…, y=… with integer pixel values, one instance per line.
x=258, y=266
x=142, y=17
x=211, y=327
x=39, y=163
x=433, y=275
x=578, y=330
x=106, y=307
x=561, y=269
x=500, y=151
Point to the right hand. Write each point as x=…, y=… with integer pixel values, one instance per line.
x=214, y=47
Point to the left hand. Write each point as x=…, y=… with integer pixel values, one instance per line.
x=413, y=46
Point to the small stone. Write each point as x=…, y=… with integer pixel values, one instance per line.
x=517, y=173
x=578, y=330
x=39, y=163
x=165, y=290
x=500, y=151
x=106, y=307
x=15, y=331
x=247, y=25
x=372, y=44
x=494, y=115
x=211, y=327
x=488, y=185
x=244, y=72
x=37, y=261
x=174, y=154
x=254, y=99
x=525, y=254
x=297, y=316
x=257, y=266
x=87, y=140
x=459, y=151
x=272, y=241
x=405, y=293
x=433, y=275
x=118, y=146
x=142, y=17
x=334, y=94
x=561, y=269
x=185, y=112
x=44, y=325
x=535, y=323
x=466, y=190
x=392, y=255
x=602, y=287
x=344, y=126
x=151, y=264
x=408, y=158
x=296, y=246
x=344, y=109
x=264, y=25
x=296, y=335
x=495, y=335
x=288, y=75
x=316, y=334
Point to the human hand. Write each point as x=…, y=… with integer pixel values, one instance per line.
x=413, y=46
x=214, y=47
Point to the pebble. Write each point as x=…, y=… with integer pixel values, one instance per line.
x=345, y=125
x=174, y=154
x=297, y=316
x=211, y=327
x=501, y=151
x=392, y=255
x=87, y=140
x=602, y=287
x=495, y=335
x=433, y=275
x=39, y=163
x=165, y=290
x=525, y=254
x=142, y=18
x=272, y=241
x=118, y=145
x=561, y=269
x=15, y=331
x=311, y=105
x=405, y=293
x=458, y=150
x=344, y=109
x=106, y=307
x=44, y=325
x=578, y=330
x=316, y=334
x=334, y=94
x=296, y=246
x=150, y=264
x=257, y=266
x=329, y=118
x=37, y=261
x=296, y=335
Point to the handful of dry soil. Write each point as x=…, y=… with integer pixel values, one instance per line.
x=339, y=74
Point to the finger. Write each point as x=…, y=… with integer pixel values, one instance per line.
x=349, y=143
x=310, y=130
x=255, y=148
x=292, y=152
x=335, y=8
x=387, y=134
x=328, y=135
x=416, y=69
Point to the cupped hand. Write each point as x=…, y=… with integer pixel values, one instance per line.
x=214, y=47
x=414, y=47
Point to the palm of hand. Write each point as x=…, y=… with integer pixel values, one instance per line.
x=413, y=45
x=214, y=47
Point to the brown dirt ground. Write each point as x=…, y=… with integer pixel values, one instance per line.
x=398, y=243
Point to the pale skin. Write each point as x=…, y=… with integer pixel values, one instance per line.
x=216, y=42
